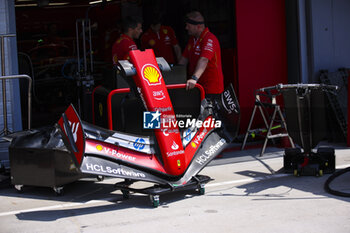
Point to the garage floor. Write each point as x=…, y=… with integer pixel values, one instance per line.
x=247, y=194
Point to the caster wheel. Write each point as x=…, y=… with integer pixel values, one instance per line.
x=100, y=178
x=19, y=188
x=58, y=191
x=155, y=200
x=126, y=194
x=201, y=189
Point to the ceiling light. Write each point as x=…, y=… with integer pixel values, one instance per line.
x=26, y=5
x=98, y=1
x=35, y=4
x=58, y=3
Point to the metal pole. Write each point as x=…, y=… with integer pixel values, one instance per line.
x=90, y=40
x=78, y=51
x=84, y=47
x=4, y=101
x=29, y=94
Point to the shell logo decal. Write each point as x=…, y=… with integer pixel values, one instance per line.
x=193, y=145
x=99, y=147
x=151, y=74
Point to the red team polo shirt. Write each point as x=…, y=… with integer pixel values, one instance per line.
x=162, y=43
x=207, y=45
x=121, y=48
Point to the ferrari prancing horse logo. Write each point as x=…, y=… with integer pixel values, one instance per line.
x=151, y=74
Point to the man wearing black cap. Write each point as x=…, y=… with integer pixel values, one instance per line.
x=203, y=56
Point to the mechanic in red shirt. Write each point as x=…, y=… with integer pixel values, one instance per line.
x=203, y=57
x=132, y=29
x=162, y=40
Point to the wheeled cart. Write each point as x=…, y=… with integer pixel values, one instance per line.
x=38, y=159
x=196, y=183
x=305, y=110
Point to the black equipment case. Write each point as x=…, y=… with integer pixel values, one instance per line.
x=305, y=110
x=40, y=158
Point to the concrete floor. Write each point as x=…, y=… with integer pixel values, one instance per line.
x=247, y=194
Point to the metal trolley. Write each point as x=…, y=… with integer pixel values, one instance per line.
x=305, y=109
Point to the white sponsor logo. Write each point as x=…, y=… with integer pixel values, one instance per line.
x=158, y=95
x=109, y=170
x=174, y=146
x=165, y=132
x=199, y=137
x=229, y=104
x=164, y=109
x=210, y=152
x=117, y=154
x=169, y=154
x=74, y=128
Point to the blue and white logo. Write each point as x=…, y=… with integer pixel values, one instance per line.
x=151, y=120
x=139, y=144
x=187, y=135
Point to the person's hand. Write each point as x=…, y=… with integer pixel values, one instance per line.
x=191, y=83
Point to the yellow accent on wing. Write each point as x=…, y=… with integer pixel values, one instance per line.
x=99, y=147
x=151, y=74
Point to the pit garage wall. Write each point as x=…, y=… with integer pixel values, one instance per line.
x=329, y=35
x=261, y=50
x=8, y=26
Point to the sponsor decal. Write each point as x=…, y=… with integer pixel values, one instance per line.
x=99, y=147
x=194, y=145
x=158, y=95
x=200, y=136
x=174, y=146
x=178, y=163
x=187, y=135
x=74, y=126
x=165, y=132
x=151, y=74
x=164, y=109
x=115, y=153
x=198, y=139
x=228, y=103
x=169, y=154
x=109, y=170
x=202, y=159
x=167, y=38
x=151, y=120
x=139, y=144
